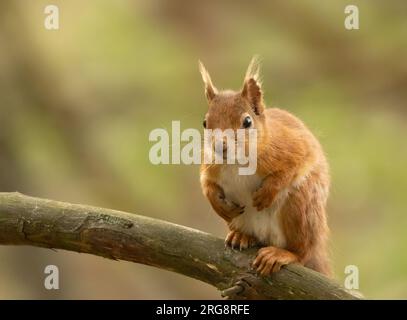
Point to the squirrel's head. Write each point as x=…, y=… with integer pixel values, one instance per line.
x=235, y=109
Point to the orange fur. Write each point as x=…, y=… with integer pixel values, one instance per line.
x=291, y=167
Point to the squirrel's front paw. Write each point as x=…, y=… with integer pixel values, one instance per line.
x=263, y=198
x=271, y=259
x=229, y=208
x=236, y=239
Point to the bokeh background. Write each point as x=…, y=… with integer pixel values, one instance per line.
x=77, y=106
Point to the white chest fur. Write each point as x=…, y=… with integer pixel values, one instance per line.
x=264, y=225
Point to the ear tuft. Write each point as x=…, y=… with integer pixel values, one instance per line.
x=210, y=90
x=253, y=70
x=252, y=86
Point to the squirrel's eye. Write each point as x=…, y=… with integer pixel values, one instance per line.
x=204, y=123
x=247, y=122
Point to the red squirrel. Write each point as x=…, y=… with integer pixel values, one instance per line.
x=280, y=208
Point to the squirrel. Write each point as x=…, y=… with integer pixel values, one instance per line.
x=282, y=207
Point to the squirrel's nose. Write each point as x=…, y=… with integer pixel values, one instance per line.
x=221, y=147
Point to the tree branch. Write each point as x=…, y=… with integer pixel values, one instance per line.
x=123, y=236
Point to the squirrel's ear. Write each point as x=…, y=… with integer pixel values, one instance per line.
x=210, y=90
x=252, y=86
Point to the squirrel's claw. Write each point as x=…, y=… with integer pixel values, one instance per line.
x=238, y=240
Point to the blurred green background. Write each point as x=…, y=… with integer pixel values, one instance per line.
x=77, y=105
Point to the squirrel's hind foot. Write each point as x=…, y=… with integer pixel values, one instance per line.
x=271, y=259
